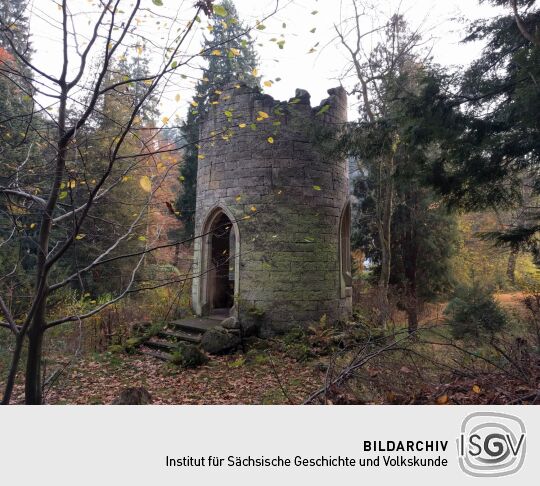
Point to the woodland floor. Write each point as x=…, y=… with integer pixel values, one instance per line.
x=224, y=380
x=270, y=374
x=276, y=379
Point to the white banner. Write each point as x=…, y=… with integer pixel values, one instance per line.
x=206, y=445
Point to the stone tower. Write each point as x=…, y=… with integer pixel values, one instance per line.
x=272, y=211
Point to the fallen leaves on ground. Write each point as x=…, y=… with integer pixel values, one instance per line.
x=490, y=388
x=273, y=376
x=277, y=380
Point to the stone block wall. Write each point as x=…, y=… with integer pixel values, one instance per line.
x=258, y=162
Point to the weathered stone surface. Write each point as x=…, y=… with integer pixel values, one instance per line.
x=251, y=325
x=302, y=95
x=219, y=341
x=287, y=199
x=134, y=396
x=188, y=355
x=230, y=323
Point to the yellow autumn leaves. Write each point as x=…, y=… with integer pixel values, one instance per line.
x=444, y=398
x=262, y=116
x=145, y=183
x=232, y=52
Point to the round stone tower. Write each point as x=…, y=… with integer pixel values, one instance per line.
x=272, y=212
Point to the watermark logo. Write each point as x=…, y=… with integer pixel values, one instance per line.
x=491, y=444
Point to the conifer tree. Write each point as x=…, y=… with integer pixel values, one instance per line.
x=14, y=19
x=231, y=57
x=490, y=129
x=400, y=226
x=19, y=145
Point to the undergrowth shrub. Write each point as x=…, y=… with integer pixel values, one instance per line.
x=473, y=312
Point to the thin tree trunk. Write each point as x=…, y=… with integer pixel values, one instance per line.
x=36, y=330
x=511, y=266
x=412, y=313
x=33, y=370
x=383, y=288
x=386, y=203
x=533, y=37
x=33, y=389
x=15, y=360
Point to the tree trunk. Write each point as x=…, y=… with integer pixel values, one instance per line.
x=385, y=209
x=383, y=287
x=36, y=330
x=511, y=267
x=15, y=359
x=412, y=315
x=33, y=370
x=33, y=389
x=533, y=37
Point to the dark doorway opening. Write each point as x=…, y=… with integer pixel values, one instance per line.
x=221, y=277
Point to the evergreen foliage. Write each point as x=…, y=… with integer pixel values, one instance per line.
x=489, y=131
x=473, y=312
x=423, y=234
x=20, y=146
x=14, y=17
x=231, y=57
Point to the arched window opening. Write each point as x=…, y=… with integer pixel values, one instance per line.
x=345, y=248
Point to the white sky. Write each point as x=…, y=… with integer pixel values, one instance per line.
x=314, y=72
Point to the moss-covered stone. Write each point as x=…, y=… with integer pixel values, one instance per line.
x=188, y=356
x=115, y=349
x=132, y=344
x=219, y=341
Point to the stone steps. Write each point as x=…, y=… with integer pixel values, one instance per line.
x=179, y=335
x=188, y=330
x=160, y=344
x=195, y=324
x=155, y=354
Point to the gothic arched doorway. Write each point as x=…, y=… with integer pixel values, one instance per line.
x=220, y=263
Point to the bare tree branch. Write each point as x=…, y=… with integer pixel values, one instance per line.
x=7, y=314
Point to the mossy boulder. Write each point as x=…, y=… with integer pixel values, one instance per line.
x=219, y=341
x=115, y=349
x=230, y=323
x=134, y=341
x=134, y=396
x=188, y=356
x=132, y=344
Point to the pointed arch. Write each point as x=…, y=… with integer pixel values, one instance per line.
x=345, y=270
x=219, y=263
